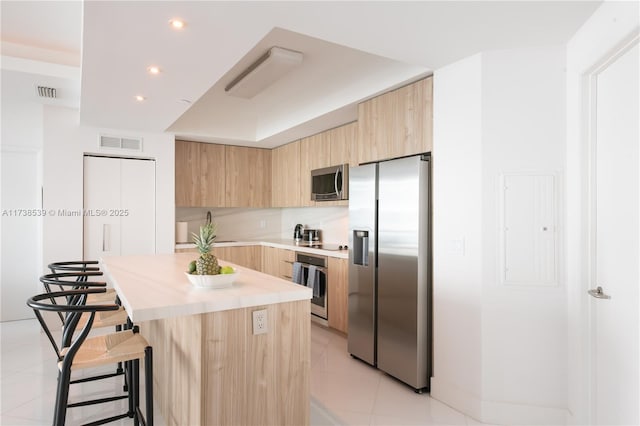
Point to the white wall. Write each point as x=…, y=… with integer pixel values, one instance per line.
x=21, y=248
x=611, y=23
x=332, y=221
x=65, y=142
x=457, y=235
x=523, y=327
x=500, y=351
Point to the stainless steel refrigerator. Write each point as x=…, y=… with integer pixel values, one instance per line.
x=390, y=268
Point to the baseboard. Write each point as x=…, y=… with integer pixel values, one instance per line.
x=496, y=412
x=456, y=397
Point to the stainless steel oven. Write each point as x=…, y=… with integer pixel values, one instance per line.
x=311, y=270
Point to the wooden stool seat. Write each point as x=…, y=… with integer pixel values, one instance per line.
x=105, y=319
x=108, y=349
x=107, y=297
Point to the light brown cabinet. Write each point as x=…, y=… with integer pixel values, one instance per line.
x=211, y=175
x=248, y=177
x=343, y=143
x=338, y=293
x=285, y=175
x=397, y=123
x=277, y=262
x=199, y=174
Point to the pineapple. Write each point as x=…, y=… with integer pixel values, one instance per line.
x=207, y=263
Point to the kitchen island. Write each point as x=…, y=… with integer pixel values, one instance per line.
x=209, y=367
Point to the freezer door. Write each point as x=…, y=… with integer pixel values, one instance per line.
x=362, y=268
x=403, y=257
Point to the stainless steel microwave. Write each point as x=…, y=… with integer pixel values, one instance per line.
x=330, y=183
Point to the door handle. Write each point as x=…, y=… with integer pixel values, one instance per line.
x=598, y=293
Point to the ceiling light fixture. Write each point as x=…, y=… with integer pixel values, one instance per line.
x=153, y=70
x=140, y=98
x=177, y=24
x=269, y=68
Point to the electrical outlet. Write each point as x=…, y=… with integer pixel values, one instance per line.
x=260, y=321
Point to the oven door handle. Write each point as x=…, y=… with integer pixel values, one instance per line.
x=319, y=268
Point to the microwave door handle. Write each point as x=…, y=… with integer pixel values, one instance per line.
x=335, y=181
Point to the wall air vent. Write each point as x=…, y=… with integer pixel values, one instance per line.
x=46, y=92
x=121, y=143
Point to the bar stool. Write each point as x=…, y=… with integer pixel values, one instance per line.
x=83, y=266
x=79, y=280
x=80, y=351
x=118, y=318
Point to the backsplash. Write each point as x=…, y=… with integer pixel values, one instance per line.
x=332, y=221
x=233, y=223
x=262, y=224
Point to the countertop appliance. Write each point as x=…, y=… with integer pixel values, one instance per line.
x=390, y=296
x=330, y=183
x=297, y=232
x=311, y=235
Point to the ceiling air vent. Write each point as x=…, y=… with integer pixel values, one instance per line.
x=117, y=142
x=46, y=92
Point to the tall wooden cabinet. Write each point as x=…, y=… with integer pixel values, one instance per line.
x=397, y=123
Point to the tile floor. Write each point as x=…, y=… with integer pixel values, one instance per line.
x=344, y=391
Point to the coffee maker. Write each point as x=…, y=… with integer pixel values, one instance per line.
x=297, y=232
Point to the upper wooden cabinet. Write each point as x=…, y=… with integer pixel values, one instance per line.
x=200, y=174
x=211, y=175
x=285, y=175
x=343, y=143
x=397, y=123
x=248, y=181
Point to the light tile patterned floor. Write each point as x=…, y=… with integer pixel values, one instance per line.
x=344, y=391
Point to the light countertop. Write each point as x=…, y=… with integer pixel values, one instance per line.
x=277, y=243
x=155, y=286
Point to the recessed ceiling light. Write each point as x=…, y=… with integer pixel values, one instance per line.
x=153, y=70
x=140, y=98
x=177, y=24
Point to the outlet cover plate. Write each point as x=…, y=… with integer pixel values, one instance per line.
x=260, y=321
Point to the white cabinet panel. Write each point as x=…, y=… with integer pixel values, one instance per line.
x=529, y=230
x=138, y=201
x=119, y=206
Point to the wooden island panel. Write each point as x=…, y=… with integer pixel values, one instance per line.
x=227, y=375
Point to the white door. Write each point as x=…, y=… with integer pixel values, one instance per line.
x=138, y=207
x=101, y=200
x=21, y=232
x=119, y=206
x=615, y=358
